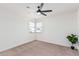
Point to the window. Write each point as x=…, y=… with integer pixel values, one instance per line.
x=39, y=27
x=35, y=26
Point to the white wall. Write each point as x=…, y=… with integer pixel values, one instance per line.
x=13, y=29
x=78, y=21
x=57, y=27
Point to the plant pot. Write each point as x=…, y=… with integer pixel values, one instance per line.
x=72, y=47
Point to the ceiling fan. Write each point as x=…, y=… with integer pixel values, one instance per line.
x=42, y=11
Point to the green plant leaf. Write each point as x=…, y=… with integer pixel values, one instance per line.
x=72, y=38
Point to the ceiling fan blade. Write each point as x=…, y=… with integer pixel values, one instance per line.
x=41, y=5
x=46, y=11
x=43, y=14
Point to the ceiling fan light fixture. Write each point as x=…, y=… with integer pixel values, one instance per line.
x=38, y=13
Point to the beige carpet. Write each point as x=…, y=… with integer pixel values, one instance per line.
x=38, y=48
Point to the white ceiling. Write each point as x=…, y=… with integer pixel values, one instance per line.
x=20, y=8
x=57, y=7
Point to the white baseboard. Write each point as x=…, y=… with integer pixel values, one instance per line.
x=54, y=43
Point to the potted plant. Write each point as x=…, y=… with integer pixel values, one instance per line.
x=73, y=39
